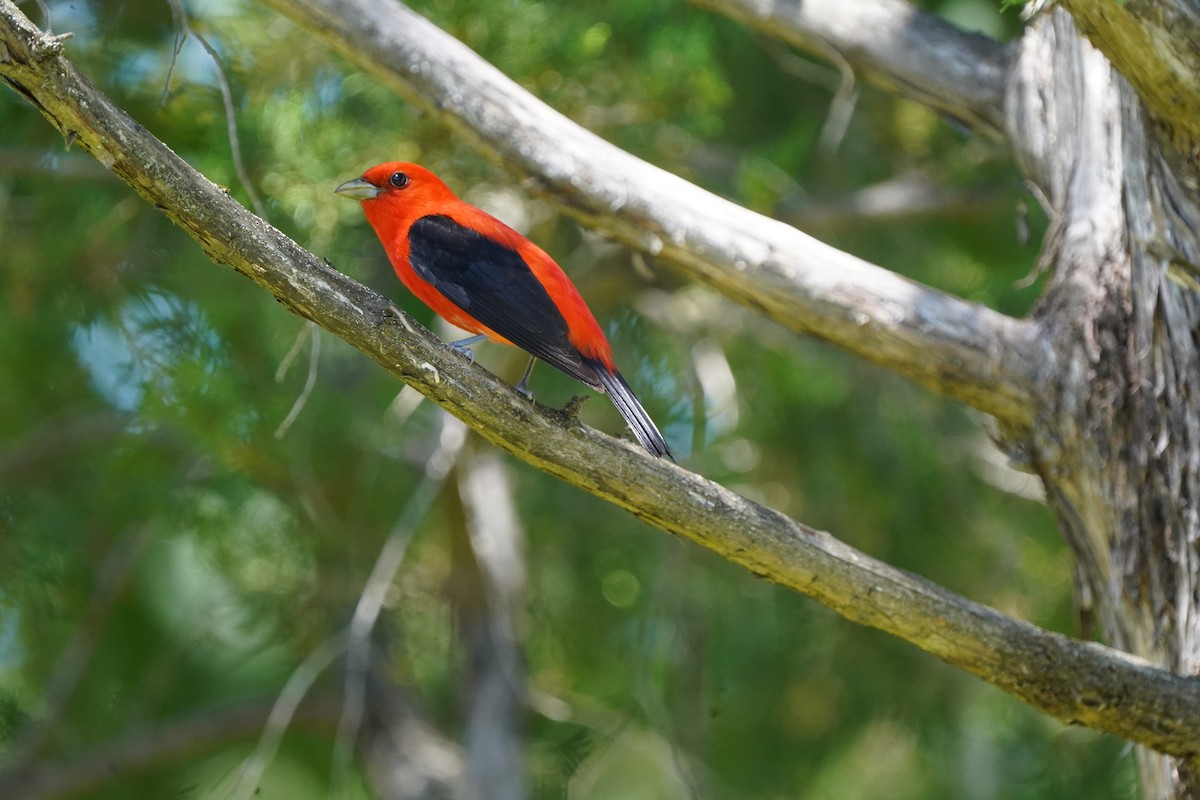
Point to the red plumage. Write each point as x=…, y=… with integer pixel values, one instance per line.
x=484, y=277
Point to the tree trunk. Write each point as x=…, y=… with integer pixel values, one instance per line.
x=1118, y=443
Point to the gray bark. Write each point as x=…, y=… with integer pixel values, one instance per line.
x=1118, y=442
x=1112, y=147
x=488, y=583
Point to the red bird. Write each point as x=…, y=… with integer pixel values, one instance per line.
x=486, y=278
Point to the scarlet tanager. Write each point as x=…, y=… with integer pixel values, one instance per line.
x=486, y=278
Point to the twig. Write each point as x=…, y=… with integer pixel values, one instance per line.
x=489, y=577
x=894, y=43
x=841, y=108
x=179, y=17
x=370, y=603
x=314, y=359
x=354, y=641
x=297, y=345
x=179, y=13
x=283, y=711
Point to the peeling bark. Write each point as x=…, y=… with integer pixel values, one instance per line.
x=1118, y=445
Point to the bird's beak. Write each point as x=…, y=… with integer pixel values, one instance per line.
x=358, y=189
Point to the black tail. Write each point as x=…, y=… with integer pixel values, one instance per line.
x=635, y=416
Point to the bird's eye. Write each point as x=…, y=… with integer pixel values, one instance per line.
x=399, y=180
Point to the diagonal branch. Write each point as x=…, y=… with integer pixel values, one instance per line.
x=897, y=45
x=959, y=349
x=1079, y=682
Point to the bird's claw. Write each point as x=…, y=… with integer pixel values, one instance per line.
x=464, y=351
x=463, y=346
x=522, y=386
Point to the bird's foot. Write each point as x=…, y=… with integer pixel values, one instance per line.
x=524, y=391
x=463, y=346
x=522, y=386
x=465, y=352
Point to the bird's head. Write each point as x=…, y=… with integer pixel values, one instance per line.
x=396, y=184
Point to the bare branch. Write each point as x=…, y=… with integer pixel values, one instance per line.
x=370, y=602
x=185, y=29
x=956, y=348
x=1079, y=682
x=898, y=46
x=314, y=359
x=486, y=590
x=282, y=712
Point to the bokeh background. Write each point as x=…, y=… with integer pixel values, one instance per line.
x=166, y=557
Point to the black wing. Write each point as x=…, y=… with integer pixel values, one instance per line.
x=494, y=285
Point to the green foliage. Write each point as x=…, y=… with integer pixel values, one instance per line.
x=140, y=405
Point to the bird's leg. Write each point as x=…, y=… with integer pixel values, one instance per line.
x=463, y=346
x=522, y=386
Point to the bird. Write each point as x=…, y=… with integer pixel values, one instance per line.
x=486, y=278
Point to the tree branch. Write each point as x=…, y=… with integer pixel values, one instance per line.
x=1075, y=681
x=486, y=592
x=1152, y=43
x=959, y=349
x=905, y=50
